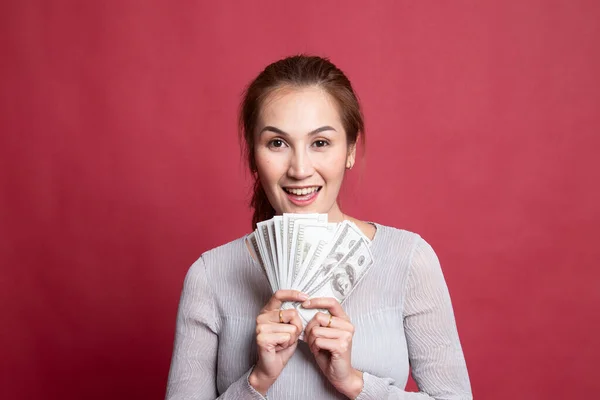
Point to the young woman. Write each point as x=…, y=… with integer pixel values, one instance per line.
x=300, y=121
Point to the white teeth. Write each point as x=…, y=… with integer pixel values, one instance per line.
x=303, y=191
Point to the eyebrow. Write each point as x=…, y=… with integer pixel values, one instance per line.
x=280, y=132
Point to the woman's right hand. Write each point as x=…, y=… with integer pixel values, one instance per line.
x=276, y=341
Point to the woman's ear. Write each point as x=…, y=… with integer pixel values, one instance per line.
x=351, y=157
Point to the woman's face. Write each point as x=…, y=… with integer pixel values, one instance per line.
x=301, y=151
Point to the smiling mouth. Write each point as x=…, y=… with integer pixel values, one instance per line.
x=302, y=191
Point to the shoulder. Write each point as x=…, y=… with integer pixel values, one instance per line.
x=405, y=245
x=396, y=248
x=420, y=256
x=396, y=237
x=414, y=254
x=231, y=251
x=219, y=259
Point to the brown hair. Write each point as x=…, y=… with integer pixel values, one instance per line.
x=296, y=71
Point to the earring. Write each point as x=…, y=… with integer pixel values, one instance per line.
x=349, y=166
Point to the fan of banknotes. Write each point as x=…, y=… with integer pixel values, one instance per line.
x=305, y=252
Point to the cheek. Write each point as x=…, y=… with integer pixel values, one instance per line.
x=334, y=167
x=269, y=170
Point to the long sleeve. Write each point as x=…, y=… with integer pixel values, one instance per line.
x=194, y=363
x=435, y=353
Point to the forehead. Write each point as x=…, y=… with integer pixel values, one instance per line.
x=299, y=110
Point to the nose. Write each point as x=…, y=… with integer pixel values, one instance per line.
x=301, y=166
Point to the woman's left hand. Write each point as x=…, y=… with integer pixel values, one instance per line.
x=330, y=340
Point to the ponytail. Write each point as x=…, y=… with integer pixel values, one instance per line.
x=263, y=209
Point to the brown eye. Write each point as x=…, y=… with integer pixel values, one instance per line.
x=320, y=143
x=276, y=143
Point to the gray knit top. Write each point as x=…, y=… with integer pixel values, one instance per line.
x=401, y=312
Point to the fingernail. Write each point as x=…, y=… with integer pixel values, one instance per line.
x=302, y=296
x=306, y=303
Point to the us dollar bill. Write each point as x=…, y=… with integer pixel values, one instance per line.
x=266, y=253
x=343, y=277
x=313, y=256
x=278, y=228
x=328, y=255
x=273, y=248
x=307, y=234
x=289, y=220
x=256, y=253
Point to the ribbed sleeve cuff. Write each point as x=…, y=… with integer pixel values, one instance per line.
x=374, y=388
x=249, y=392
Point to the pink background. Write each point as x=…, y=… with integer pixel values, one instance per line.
x=119, y=166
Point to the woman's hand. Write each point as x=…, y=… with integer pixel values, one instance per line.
x=277, y=334
x=330, y=340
